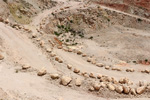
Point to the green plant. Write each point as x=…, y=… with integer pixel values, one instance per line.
x=17, y=71
x=139, y=20
x=134, y=62
x=67, y=40
x=91, y=37
x=56, y=33
x=146, y=60
x=5, y=1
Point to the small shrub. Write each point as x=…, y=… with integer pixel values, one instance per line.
x=5, y=1
x=67, y=40
x=91, y=37
x=56, y=33
x=139, y=20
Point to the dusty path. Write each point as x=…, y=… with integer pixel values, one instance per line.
x=22, y=50
x=131, y=15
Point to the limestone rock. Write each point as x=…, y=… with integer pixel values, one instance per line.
x=34, y=35
x=79, y=52
x=111, y=87
x=49, y=50
x=143, y=83
x=54, y=76
x=65, y=80
x=99, y=64
x=140, y=90
x=91, y=88
x=107, y=67
x=84, y=55
x=96, y=86
x=76, y=70
x=133, y=92
x=103, y=84
x=59, y=47
x=126, y=89
x=42, y=72
x=92, y=75
x=119, y=89
x=99, y=76
x=52, y=54
x=1, y=57
x=69, y=66
x=24, y=67
x=78, y=82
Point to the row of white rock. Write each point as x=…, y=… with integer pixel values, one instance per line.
x=92, y=61
x=112, y=84
x=120, y=86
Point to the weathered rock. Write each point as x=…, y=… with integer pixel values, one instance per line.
x=1, y=57
x=59, y=47
x=96, y=86
x=123, y=80
x=117, y=69
x=52, y=54
x=91, y=88
x=42, y=43
x=126, y=89
x=133, y=92
x=1, y=19
x=93, y=62
x=69, y=66
x=49, y=50
x=107, y=67
x=70, y=50
x=99, y=64
x=76, y=70
x=119, y=89
x=89, y=59
x=143, y=83
x=34, y=35
x=60, y=61
x=85, y=75
x=140, y=90
x=42, y=72
x=147, y=71
x=103, y=84
x=78, y=82
x=79, y=52
x=129, y=70
x=24, y=67
x=65, y=80
x=84, y=55
x=111, y=87
x=54, y=76
x=92, y=75
x=57, y=58
x=99, y=76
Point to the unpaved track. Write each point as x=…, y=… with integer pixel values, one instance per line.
x=21, y=49
x=131, y=15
